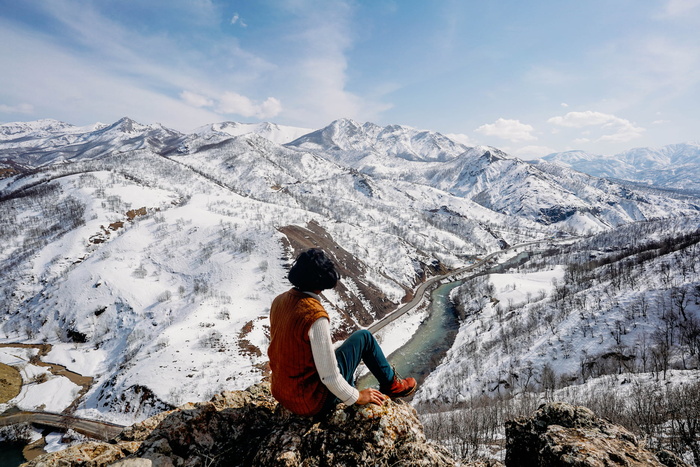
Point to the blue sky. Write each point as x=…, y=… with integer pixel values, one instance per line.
x=530, y=78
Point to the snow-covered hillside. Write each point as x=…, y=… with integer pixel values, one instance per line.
x=148, y=258
x=674, y=166
x=611, y=322
x=627, y=300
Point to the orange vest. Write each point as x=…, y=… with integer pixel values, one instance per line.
x=295, y=382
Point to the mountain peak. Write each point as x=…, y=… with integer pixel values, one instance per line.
x=278, y=134
x=394, y=140
x=673, y=166
x=37, y=128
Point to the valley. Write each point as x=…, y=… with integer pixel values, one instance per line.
x=146, y=259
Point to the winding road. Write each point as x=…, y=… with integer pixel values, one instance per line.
x=457, y=274
x=92, y=428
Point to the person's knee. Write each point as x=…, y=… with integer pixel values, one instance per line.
x=368, y=342
x=364, y=336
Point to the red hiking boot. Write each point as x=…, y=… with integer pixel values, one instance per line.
x=399, y=387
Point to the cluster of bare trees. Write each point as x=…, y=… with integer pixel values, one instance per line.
x=634, y=292
x=666, y=416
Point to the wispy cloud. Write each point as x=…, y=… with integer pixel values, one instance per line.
x=511, y=130
x=22, y=108
x=94, y=65
x=615, y=129
x=676, y=8
x=322, y=36
x=236, y=19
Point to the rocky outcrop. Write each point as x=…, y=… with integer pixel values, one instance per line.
x=560, y=434
x=249, y=428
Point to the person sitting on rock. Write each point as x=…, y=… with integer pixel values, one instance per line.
x=309, y=377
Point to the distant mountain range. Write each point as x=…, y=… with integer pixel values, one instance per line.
x=674, y=166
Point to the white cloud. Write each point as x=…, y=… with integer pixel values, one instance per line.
x=22, y=108
x=564, y=104
x=615, y=129
x=532, y=152
x=195, y=100
x=623, y=134
x=461, y=138
x=680, y=7
x=236, y=19
x=581, y=119
x=234, y=103
x=512, y=130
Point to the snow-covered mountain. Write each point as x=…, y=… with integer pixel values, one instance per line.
x=279, y=134
x=368, y=145
x=148, y=258
x=546, y=193
x=37, y=144
x=674, y=166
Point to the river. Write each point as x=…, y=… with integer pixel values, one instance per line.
x=433, y=338
x=11, y=454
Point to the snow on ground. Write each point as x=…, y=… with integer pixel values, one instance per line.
x=77, y=358
x=457, y=376
x=17, y=357
x=41, y=390
x=519, y=288
x=624, y=385
x=55, y=395
x=395, y=334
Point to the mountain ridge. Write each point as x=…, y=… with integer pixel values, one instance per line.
x=672, y=166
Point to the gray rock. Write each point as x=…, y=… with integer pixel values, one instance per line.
x=249, y=428
x=560, y=434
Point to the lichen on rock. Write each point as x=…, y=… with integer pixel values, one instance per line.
x=250, y=428
x=565, y=435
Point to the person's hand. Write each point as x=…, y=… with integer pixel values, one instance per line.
x=370, y=395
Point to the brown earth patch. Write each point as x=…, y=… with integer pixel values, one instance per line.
x=350, y=268
x=33, y=450
x=57, y=370
x=7, y=172
x=10, y=383
x=114, y=226
x=133, y=213
x=248, y=348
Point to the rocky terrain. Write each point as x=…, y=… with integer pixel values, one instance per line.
x=249, y=428
x=565, y=435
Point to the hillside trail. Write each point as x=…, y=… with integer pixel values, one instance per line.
x=84, y=382
x=92, y=428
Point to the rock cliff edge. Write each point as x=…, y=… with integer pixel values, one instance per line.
x=249, y=428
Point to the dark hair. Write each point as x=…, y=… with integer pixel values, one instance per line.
x=313, y=270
